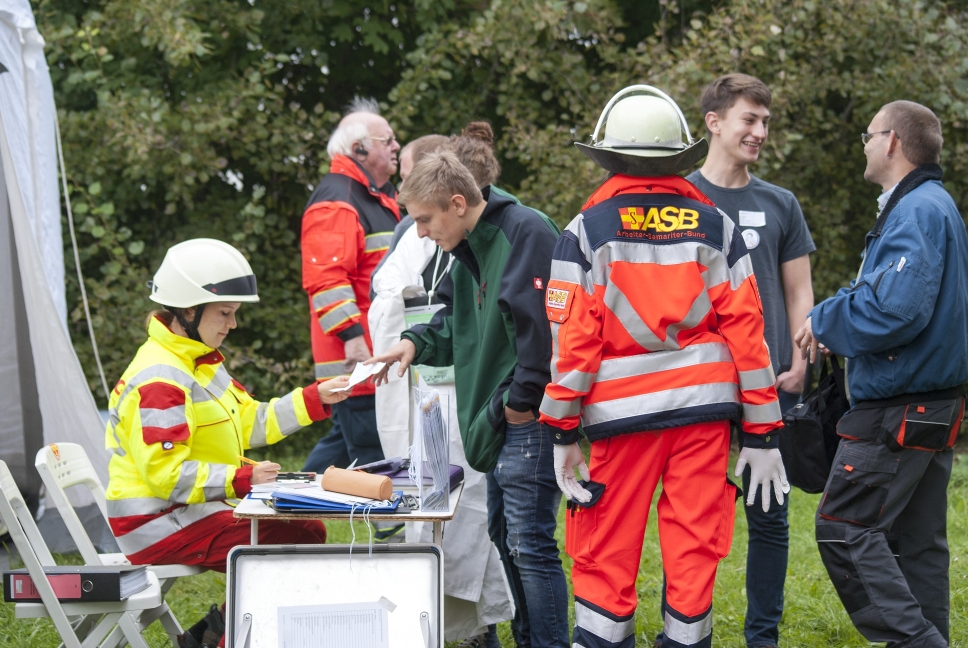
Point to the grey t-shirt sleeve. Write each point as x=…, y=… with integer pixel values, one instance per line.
x=797, y=241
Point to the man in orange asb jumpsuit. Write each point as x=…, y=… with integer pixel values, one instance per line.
x=658, y=345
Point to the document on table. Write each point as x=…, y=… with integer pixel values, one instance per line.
x=318, y=492
x=342, y=625
x=360, y=373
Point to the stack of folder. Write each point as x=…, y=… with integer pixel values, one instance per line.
x=317, y=500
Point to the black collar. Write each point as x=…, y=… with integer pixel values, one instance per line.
x=910, y=182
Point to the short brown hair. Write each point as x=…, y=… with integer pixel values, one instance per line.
x=423, y=146
x=919, y=130
x=438, y=177
x=474, y=147
x=720, y=95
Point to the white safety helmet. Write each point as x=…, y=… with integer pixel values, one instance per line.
x=202, y=271
x=643, y=135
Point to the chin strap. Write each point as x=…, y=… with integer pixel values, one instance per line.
x=190, y=328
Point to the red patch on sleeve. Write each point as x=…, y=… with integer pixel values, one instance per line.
x=161, y=435
x=240, y=386
x=538, y=283
x=159, y=395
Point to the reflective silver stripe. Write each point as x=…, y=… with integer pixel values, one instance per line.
x=333, y=295
x=661, y=401
x=638, y=329
x=576, y=380
x=688, y=634
x=219, y=383
x=338, y=315
x=161, y=527
x=769, y=413
x=199, y=395
x=257, y=438
x=697, y=312
x=326, y=370
x=757, y=378
x=285, y=410
x=740, y=272
x=378, y=241
x=647, y=363
x=687, y=251
x=186, y=482
x=560, y=409
x=601, y=626
x=572, y=273
x=214, y=488
x=163, y=418
x=167, y=372
x=137, y=506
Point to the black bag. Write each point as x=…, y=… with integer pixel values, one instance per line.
x=809, y=439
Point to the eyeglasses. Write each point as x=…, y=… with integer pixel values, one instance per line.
x=866, y=137
x=386, y=141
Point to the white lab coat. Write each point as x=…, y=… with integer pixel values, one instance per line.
x=474, y=582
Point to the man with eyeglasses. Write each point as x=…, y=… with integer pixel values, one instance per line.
x=346, y=230
x=903, y=326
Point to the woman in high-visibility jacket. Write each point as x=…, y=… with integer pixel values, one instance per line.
x=179, y=423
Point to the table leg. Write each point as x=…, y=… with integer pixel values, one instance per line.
x=254, y=531
x=439, y=534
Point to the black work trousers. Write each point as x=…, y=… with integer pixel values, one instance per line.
x=882, y=521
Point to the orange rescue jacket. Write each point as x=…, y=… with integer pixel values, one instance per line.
x=656, y=318
x=346, y=230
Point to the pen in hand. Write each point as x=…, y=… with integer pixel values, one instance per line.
x=263, y=472
x=248, y=461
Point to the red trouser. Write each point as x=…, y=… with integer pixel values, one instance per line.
x=207, y=542
x=696, y=511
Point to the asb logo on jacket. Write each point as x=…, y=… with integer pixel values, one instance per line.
x=665, y=219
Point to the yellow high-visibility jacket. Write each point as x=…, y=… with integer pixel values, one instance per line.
x=178, y=423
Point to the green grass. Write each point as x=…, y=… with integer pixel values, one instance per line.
x=813, y=614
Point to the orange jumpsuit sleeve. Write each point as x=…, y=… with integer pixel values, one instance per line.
x=736, y=301
x=332, y=246
x=574, y=310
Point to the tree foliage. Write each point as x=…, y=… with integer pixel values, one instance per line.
x=187, y=118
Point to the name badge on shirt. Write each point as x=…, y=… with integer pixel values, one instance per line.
x=752, y=219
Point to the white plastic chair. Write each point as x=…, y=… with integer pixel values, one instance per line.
x=70, y=466
x=79, y=624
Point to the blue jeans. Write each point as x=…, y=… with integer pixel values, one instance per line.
x=766, y=559
x=522, y=508
x=353, y=436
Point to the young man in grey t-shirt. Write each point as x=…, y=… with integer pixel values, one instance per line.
x=737, y=113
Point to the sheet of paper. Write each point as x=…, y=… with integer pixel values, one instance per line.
x=343, y=625
x=360, y=373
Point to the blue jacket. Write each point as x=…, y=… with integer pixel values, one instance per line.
x=904, y=323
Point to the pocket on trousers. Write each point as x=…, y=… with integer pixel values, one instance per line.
x=727, y=520
x=580, y=525
x=927, y=426
x=858, y=484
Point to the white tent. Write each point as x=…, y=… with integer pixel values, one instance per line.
x=44, y=397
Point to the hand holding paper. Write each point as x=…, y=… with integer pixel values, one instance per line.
x=360, y=373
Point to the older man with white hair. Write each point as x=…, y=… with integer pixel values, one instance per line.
x=347, y=227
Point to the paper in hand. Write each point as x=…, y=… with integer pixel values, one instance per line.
x=360, y=373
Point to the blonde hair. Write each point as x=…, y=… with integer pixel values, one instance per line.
x=438, y=177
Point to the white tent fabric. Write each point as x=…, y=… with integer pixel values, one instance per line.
x=30, y=235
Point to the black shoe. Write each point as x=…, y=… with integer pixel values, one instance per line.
x=206, y=633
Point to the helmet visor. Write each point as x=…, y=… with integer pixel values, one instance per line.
x=235, y=287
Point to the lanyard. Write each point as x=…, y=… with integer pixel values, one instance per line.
x=437, y=279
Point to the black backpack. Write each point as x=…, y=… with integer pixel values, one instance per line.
x=809, y=440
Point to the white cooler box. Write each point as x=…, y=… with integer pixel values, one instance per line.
x=321, y=596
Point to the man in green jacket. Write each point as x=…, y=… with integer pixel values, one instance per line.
x=495, y=333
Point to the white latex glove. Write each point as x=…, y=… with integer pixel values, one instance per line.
x=567, y=458
x=766, y=467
